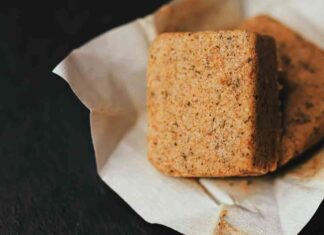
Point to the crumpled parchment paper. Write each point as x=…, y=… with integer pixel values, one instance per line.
x=108, y=76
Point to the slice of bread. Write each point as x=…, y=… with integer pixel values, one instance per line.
x=213, y=105
x=302, y=74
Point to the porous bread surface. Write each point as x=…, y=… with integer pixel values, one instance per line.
x=202, y=102
x=302, y=74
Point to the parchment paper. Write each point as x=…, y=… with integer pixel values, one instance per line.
x=108, y=76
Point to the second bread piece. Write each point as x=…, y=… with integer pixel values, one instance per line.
x=302, y=64
x=213, y=104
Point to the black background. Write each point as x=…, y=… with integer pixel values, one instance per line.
x=48, y=180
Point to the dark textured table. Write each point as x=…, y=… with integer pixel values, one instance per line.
x=48, y=180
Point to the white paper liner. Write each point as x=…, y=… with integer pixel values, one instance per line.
x=108, y=76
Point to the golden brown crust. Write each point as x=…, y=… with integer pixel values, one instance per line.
x=202, y=104
x=302, y=74
x=268, y=105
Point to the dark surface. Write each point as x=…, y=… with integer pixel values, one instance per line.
x=48, y=180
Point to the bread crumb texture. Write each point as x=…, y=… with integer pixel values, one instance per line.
x=225, y=228
x=212, y=101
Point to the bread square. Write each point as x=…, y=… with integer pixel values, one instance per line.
x=302, y=74
x=212, y=101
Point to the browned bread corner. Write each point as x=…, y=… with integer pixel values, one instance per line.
x=213, y=106
x=302, y=69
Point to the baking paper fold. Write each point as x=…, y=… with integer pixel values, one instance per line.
x=108, y=76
